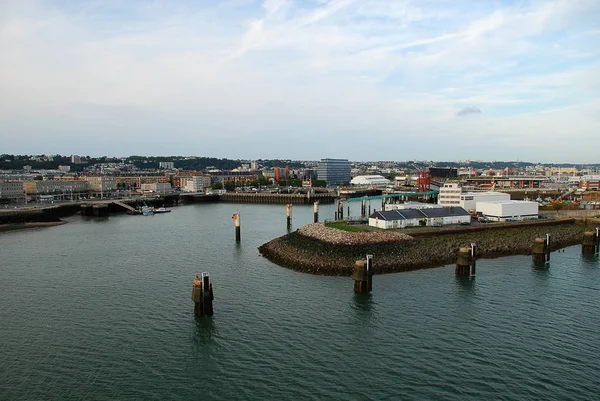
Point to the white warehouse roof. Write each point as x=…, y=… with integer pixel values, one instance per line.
x=369, y=180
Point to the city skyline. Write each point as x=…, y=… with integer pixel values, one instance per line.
x=363, y=80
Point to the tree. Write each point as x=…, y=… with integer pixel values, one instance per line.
x=217, y=185
x=230, y=186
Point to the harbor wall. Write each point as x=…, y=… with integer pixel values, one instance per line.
x=305, y=254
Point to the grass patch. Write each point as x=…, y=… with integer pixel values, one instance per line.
x=342, y=225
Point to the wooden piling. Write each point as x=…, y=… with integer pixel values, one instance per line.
x=288, y=213
x=238, y=231
x=361, y=276
x=202, y=295
x=539, y=250
x=340, y=209
x=547, y=247
x=316, y=212
x=589, y=242
x=463, y=262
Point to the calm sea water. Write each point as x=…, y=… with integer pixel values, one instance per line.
x=101, y=309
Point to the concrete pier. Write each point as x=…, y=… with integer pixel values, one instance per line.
x=541, y=250
x=466, y=261
x=202, y=295
x=363, y=275
x=589, y=244
x=297, y=199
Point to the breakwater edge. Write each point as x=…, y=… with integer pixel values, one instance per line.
x=322, y=250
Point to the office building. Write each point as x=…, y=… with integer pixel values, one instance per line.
x=334, y=171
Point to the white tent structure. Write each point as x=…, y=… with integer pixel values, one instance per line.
x=369, y=180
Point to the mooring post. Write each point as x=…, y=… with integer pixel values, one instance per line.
x=360, y=276
x=316, y=212
x=473, y=258
x=369, y=207
x=370, y=273
x=539, y=250
x=348, y=210
x=288, y=213
x=341, y=209
x=547, y=247
x=588, y=244
x=463, y=262
x=238, y=231
x=597, y=240
x=202, y=295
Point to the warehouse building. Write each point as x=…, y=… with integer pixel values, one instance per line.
x=510, y=210
x=435, y=217
x=468, y=200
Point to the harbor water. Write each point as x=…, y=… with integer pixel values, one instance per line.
x=101, y=309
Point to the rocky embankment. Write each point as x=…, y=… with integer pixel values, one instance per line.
x=322, y=250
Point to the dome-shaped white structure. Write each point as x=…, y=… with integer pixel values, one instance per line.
x=369, y=180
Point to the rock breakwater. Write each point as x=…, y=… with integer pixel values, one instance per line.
x=318, y=251
x=333, y=236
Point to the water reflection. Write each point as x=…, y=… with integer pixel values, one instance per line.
x=204, y=330
x=465, y=283
x=540, y=267
x=363, y=302
x=590, y=259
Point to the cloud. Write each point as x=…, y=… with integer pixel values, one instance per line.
x=468, y=111
x=219, y=75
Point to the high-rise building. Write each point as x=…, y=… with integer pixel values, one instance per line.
x=75, y=159
x=334, y=171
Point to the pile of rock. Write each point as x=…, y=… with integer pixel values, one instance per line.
x=333, y=236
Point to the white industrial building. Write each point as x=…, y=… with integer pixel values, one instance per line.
x=369, y=180
x=401, y=218
x=469, y=200
x=510, y=210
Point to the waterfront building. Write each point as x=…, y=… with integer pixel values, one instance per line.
x=12, y=192
x=450, y=194
x=469, y=200
x=58, y=188
x=369, y=180
x=103, y=183
x=511, y=210
x=194, y=184
x=334, y=171
x=435, y=217
x=158, y=187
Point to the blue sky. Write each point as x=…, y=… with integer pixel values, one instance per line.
x=362, y=79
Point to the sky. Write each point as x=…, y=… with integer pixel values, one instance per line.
x=302, y=79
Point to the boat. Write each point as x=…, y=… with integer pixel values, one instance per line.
x=161, y=210
x=148, y=212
